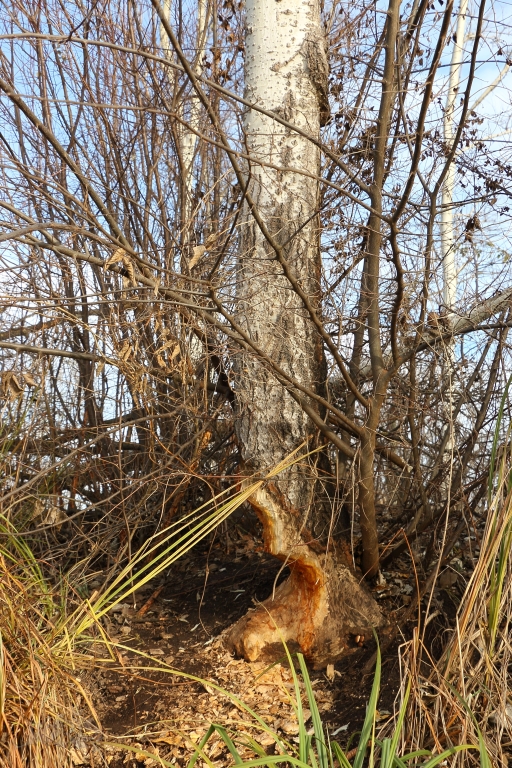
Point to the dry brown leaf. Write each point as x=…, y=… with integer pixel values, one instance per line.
x=120, y=255
x=197, y=254
x=161, y=362
x=76, y=757
x=290, y=728
x=173, y=739
x=54, y=516
x=116, y=256
x=128, y=265
x=211, y=240
x=125, y=351
x=10, y=387
x=29, y=379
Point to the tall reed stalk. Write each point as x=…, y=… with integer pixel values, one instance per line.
x=466, y=694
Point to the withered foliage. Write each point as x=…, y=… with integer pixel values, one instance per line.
x=119, y=308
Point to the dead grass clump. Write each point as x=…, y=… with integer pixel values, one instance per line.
x=467, y=694
x=42, y=717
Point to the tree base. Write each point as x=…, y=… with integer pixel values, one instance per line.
x=320, y=610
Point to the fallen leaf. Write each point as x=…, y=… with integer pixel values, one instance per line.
x=265, y=740
x=290, y=728
x=173, y=739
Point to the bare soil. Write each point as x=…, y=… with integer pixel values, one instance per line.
x=177, y=624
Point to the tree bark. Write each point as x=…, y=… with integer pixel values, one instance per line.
x=322, y=603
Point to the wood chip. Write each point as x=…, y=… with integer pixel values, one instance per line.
x=290, y=728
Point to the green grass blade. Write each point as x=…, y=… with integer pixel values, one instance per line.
x=398, y=762
x=256, y=748
x=275, y=760
x=202, y=743
x=485, y=760
x=304, y=740
x=229, y=744
x=370, y=713
x=416, y=753
x=340, y=755
x=386, y=756
x=399, y=723
x=315, y=715
x=447, y=753
x=496, y=438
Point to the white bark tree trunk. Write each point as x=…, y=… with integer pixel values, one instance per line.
x=447, y=233
x=286, y=72
x=283, y=41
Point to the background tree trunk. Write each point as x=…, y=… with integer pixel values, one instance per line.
x=286, y=73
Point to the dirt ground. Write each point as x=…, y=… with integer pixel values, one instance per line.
x=177, y=624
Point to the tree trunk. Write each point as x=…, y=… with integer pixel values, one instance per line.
x=322, y=604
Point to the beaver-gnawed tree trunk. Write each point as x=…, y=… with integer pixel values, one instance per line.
x=322, y=605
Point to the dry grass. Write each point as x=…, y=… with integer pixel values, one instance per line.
x=46, y=636
x=465, y=697
x=43, y=720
